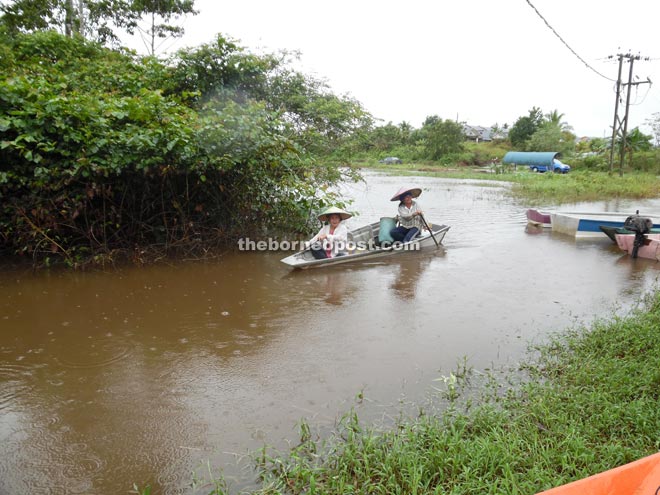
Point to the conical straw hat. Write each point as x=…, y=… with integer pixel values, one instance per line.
x=415, y=191
x=333, y=209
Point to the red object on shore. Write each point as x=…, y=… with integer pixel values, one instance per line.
x=641, y=477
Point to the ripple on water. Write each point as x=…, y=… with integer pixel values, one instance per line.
x=82, y=469
x=156, y=460
x=78, y=469
x=15, y=379
x=102, y=354
x=174, y=478
x=33, y=457
x=56, y=466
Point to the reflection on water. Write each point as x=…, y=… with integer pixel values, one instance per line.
x=335, y=288
x=143, y=374
x=337, y=285
x=534, y=229
x=410, y=269
x=333, y=285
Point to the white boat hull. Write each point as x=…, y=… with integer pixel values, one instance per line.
x=586, y=225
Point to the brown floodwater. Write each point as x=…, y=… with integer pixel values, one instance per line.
x=144, y=375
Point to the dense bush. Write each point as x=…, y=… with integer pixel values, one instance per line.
x=646, y=161
x=599, y=162
x=103, y=152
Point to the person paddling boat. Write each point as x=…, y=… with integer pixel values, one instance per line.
x=409, y=215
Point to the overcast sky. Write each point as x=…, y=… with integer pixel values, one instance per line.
x=482, y=61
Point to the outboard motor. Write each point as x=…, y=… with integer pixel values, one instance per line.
x=640, y=226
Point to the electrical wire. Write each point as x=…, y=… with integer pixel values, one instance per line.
x=566, y=44
x=637, y=102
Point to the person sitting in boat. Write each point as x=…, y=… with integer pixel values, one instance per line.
x=331, y=241
x=409, y=215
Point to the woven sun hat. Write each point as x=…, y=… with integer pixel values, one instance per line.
x=333, y=209
x=415, y=191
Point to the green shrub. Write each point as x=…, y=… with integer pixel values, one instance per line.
x=95, y=158
x=646, y=161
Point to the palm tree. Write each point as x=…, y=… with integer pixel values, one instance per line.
x=406, y=131
x=636, y=140
x=555, y=118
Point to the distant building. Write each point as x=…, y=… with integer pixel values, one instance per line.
x=478, y=133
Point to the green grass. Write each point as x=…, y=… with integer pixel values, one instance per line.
x=584, y=186
x=548, y=188
x=589, y=403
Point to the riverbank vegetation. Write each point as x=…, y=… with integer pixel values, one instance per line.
x=590, y=178
x=581, y=186
x=588, y=403
x=107, y=155
x=547, y=189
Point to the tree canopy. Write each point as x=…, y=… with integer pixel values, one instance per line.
x=442, y=137
x=103, y=151
x=524, y=127
x=539, y=132
x=100, y=20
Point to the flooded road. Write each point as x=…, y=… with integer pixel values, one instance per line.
x=142, y=375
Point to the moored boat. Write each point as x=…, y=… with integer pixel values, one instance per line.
x=538, y=218
x=364, y=245
x=641, y=477
x=611, y=232
x=649, y=248
x=587, y=225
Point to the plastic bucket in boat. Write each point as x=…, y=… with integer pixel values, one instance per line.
x=386, y=224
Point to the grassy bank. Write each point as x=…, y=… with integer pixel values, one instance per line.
x=590, y=403
x=535, y=188
x=584, y=186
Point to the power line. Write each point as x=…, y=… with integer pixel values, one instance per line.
x=566, y=44
x=637, y=102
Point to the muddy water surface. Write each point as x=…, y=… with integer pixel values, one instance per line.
x=144, y=374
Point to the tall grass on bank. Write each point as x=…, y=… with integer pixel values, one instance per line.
x=550, y=188
x=584, y=186
x=590, y=403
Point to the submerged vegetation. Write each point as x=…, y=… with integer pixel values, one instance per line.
x=588, y=404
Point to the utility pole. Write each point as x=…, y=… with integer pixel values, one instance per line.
x=615, y=125
x=620, y=127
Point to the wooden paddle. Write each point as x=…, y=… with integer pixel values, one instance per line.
x=429, y=228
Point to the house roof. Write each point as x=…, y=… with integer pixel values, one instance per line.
x=483, y=133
